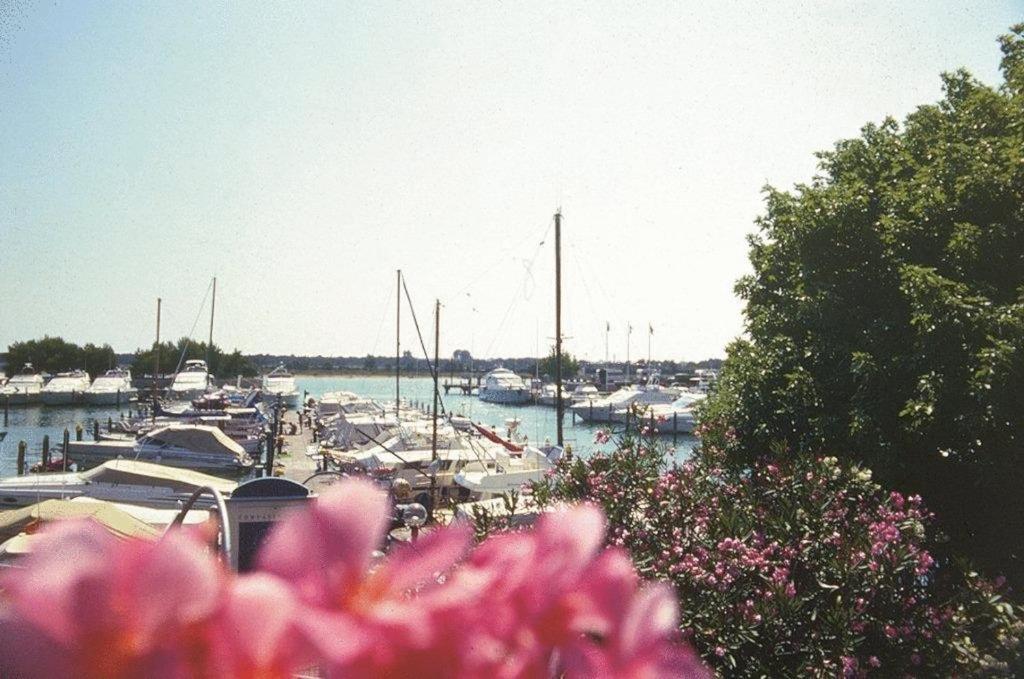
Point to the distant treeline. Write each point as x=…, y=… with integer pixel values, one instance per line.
x=54, y=355
x=461, y=362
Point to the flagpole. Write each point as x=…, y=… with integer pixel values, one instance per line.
x=629, y=331
x=607, y=327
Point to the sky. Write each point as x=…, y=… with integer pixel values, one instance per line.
x=302, y=153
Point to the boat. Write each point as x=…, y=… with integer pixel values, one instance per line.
x=65, y=389
x=501, y=385
x=192, y=382
x=279, y=387
x=584, y=393
x=507, y=471
x=113, y=387
x=23, y=388
x=676, y=417
x=549, y=396
x=128, y=481
x=192, y=446
x=605, y=409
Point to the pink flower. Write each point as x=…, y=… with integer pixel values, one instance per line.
x=325, y=554
x=90, y=605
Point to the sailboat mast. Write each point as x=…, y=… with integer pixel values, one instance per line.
x=437, y=372
x=398, y=339
x=209, y=344
x=558, y=323
x=156, y=358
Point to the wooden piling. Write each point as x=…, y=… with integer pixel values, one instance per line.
x=78, y=432
x=22, y=448
x=66, y=446
x=46, y=452
x=95, y=430
x=675, y=427
x=7, y=406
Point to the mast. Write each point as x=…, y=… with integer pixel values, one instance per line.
x=209, y=344
x=398, y=339
x=437, y=370
x=156, y=358
x=558, y=323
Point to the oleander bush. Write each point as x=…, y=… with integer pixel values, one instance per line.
x=801, y=566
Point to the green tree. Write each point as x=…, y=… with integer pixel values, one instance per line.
x=886, y=312
x=224, y=366
x=54, y=354
x=570, y=366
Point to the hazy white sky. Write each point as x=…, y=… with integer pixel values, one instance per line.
x=303, y=153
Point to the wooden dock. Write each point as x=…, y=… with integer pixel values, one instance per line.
x=466, y=384
x=294, y=462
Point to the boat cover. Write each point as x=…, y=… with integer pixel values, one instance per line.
x=139, y=473
x=32, y=518
x=197, y=438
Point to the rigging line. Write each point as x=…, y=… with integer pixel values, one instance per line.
x=586, y=288
x=433, y=368
x=515, y=297
x=400, y=459
x=601, y=287
x=188, y=339
x=490, y=265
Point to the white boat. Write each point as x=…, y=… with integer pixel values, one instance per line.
x=605, y=409
x=676, y=417
x=112, y=388
x=506, y=471
x=193, y=381
x=23, y=388
x=66, y=388
x=192, y=446
x=129, y=481
x=549, y=396
x=584, y=393
x=279, y=387
x=501, y=385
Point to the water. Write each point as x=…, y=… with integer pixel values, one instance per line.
x=537, y=423
x=31, y=423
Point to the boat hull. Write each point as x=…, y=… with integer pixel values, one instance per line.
x=505, y=396
x=109, y=398
x=61, y=398
x=20, y=398
x=92, y=453
x=186, y=395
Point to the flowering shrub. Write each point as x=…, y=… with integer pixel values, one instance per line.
x=545, y=602
x=795, y=566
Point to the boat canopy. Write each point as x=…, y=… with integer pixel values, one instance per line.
x=29, y=519
x=136, y=472
x=199, y=438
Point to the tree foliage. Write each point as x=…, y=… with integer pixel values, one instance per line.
x=886, y=311
x=54, y=354
x=223, y=365
x=570, y=366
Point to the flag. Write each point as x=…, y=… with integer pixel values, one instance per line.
x=650, y=328
x=629, y=330
x=607, y=326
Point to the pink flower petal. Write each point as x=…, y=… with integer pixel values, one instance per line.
x=326, y=548
x=418, y=562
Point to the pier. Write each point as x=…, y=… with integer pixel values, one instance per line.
x=467, y=384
